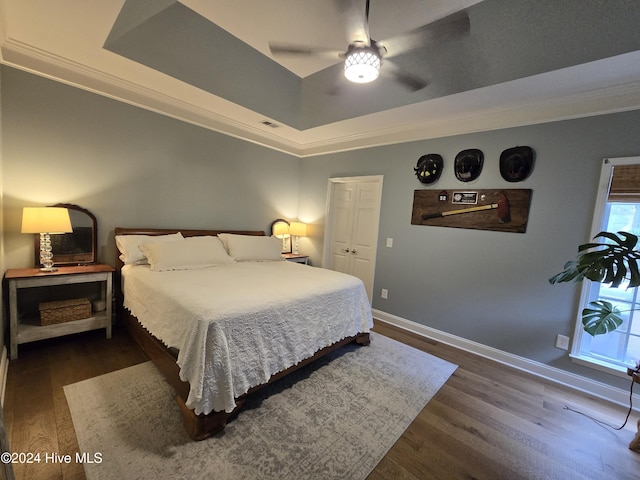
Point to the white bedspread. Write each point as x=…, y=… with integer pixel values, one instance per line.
x=236, y=325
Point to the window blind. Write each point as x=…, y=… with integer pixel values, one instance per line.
x=625, y=184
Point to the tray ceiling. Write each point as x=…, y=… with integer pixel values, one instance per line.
x=207, y=62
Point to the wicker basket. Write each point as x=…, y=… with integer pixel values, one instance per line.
x=64, y=311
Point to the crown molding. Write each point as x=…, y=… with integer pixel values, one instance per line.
x=365, y=132
x=601, y=101
x=39, y=62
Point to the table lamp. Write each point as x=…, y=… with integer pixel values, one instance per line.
x=46, y=221
x=281, y=231
x=297, y=229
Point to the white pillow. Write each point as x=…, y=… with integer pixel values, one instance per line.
x=186, y=254
x=128, y=245
x=245, y=248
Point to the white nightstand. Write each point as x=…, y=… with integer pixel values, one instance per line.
x=29, y=330
x=296, y=258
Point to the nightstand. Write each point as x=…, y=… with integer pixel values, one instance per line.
x=296, y=258
x=24, y=330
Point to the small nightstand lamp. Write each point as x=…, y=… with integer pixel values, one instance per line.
x=297, y=230
x=45, y=221
x=281, y=231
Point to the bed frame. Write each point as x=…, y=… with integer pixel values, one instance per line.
x=198, y=427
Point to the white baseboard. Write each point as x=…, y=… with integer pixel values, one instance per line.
x=4, y=369
x=577, y=382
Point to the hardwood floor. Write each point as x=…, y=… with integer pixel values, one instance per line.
x=35, y=408
x=488, y=421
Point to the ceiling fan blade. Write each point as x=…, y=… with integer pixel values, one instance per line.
x=302, y=50
x=409, y=81
x=356, y=20
x=452, y=26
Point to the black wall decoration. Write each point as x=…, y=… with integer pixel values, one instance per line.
x=429, y=168
x=468, y=164
x=516, y=163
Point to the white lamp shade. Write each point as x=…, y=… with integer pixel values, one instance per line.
x=298, y=229
x=281, y=230
x=45, y=220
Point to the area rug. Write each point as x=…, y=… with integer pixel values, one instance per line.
x=334, y=419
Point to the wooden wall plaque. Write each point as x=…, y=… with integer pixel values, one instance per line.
x=499, y=210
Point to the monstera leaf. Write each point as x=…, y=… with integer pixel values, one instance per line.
x=612, y=263
x=571, y=273
x=601, y=317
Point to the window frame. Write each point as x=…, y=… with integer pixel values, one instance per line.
x=599, y=217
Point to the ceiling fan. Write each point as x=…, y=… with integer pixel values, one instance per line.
x=364, y=56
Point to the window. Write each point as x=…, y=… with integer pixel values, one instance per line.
x=617, y=209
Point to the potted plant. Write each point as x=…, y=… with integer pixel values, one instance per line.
x=613, y=262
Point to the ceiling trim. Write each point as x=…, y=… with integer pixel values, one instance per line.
x=290, y=140
x=28, y=58
x=602, y=101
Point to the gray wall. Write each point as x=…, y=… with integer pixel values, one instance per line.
x=131, y=167
x=488, y=287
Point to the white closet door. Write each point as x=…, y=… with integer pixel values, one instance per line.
x=354, y=215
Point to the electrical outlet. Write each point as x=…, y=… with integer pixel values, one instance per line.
x=562, y=342
x=384, y=293
x=389, y=242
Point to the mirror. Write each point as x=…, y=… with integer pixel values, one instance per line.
x=77, y=248
x=280, y=229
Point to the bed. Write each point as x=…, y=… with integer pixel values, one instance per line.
x=221, y=314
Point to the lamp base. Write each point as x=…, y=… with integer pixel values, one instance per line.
x=46, y=257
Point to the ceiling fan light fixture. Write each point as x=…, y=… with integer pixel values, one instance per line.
x=362, y=64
